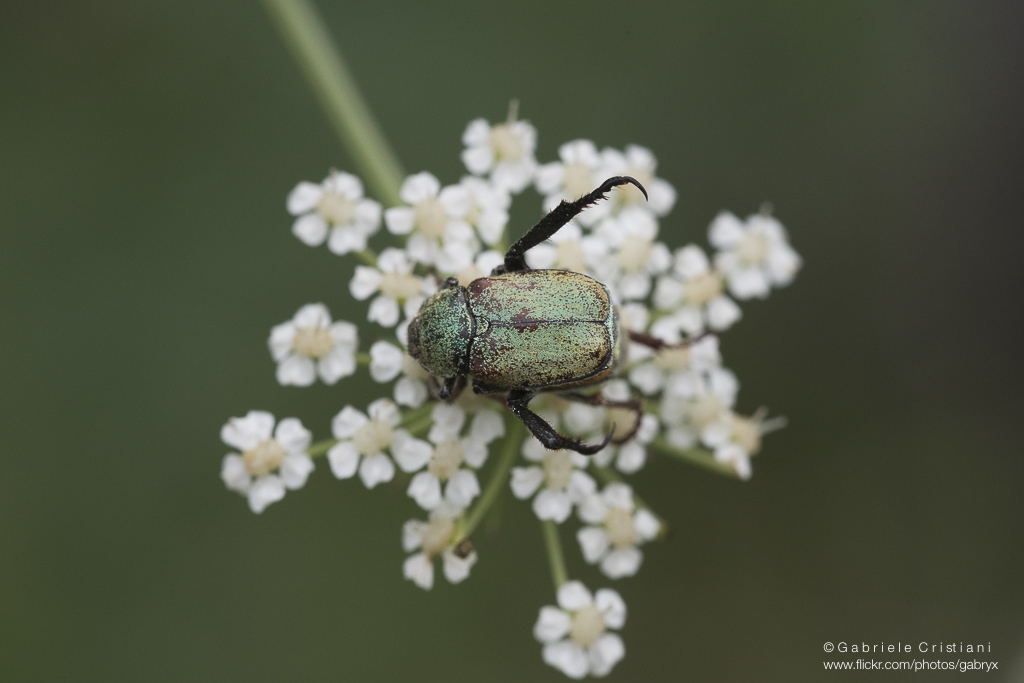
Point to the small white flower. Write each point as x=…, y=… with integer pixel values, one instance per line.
x=485, y=207
x=558, y=478
x=310, y=345
x=638, y=162
x=394, y=280
x=435, y=222
x=578, y=173
x=433, y=538
x=615, y=530
x=735, y=439
x=453, y=460
x=483, y=264
x=504, y=150
x=693, y=400
x=665, y=365
x=634, y=255
x=694, y=294
x=411, y=389
x=363, y=442
x=569, y=249
x=271, y=460
x=630, y=457
x=386, y=361
x=335, y=206
x=575, y=634
x=754, y=256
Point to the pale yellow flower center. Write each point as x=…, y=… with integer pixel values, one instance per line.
x=578, y=179
x=399, y=286
x=569, y=255
x=587, y=626
x=469, y=273
x=437, y=535
x=753, y=248
x=624, y=420
x=411, y=368
x=447, y=458
x=703, y=288
x=747, y=434
x=619, y=527
x=312, y=342
x=557, y=469
x=473, y=214
x=470, y=401
x=265, y=457
x=506, y=144
x=704, y=410
x=673, y=358
x=431, y=217
x=336, y=208
x=372, y=437
x=633, y=253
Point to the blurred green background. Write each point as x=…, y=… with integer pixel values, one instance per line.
x=146, y=150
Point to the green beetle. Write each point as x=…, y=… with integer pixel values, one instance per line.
x=522, y=331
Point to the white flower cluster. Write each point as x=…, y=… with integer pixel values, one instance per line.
x=672, y=394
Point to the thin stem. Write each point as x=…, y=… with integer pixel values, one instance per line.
x=321, y=63
x=555, y=556
x=321, y=447
x=693, y=456
x=514, y=433
x=609, y=476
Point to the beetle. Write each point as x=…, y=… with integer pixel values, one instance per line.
x=521, y=331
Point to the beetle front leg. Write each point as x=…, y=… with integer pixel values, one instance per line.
x=554, y=221
x=517, y=402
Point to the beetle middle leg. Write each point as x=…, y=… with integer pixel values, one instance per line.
x=598, y=399
x=517, y=402
x=448, y=389
x=554, y=221
x=653, y=342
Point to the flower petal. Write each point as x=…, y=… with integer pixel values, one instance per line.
x=420, y=570
x=612, y=606
x=247, y=432
x=552, y=624
x=605, y=654
x=295, y=469
x=425, y=489
x=344, y=459
x=574, y=596
x=264, y=491
x=526, y=480
x=593, y=543
x=376, y=469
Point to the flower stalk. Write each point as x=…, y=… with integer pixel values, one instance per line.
x=496, y=484
x=553, y=544
x=328, y=76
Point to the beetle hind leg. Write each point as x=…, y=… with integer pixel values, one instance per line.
x=555, y=220
x=517, y=402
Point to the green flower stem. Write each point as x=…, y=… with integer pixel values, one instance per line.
x=555, y=556
x=609, y=476
x=321, y=63
x=363, y=358
x=367, y=256
x=693, y=456
x=321, y=447
x=514, y=433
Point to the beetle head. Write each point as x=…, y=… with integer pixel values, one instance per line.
x=440, y=333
